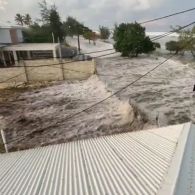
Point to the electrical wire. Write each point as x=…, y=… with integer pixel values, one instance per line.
x=103, y=100
x=171, y=32
x=167, y=16
x=153, y=39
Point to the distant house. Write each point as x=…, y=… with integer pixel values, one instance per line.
x=13, y=49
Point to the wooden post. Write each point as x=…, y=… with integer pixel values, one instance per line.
x=26, y=71
x=62, y=68
x=4, y=140
x=15, y=57
x=60, y=60
x=3, y=58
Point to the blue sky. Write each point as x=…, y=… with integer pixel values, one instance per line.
x=106, y=12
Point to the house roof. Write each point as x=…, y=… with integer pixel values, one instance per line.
x=31, y=47
x=145, y=162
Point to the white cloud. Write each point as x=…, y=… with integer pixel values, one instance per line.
x=94, y=12
x=125, y=4
x=3, y=3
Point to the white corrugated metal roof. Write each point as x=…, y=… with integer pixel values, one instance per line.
x=128, y=163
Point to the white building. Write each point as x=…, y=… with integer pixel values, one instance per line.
x=28, y=51
x=12, y=48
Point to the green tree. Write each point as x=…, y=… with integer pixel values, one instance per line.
x=56, y=24
x=187, y=40
x=73, y=27
x=174, y=46
x=45, y=11
x=27, y=19
x=88, y=35
x=19, y=19
x=104, y=32
x=157, y=45
x=38, y=34
x=131, y=40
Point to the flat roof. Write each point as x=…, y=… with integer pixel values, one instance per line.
x=10, y=27
x=31, y=47
x=143, y=162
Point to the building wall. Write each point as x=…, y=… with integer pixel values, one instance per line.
x=13, y=35
x=20, y=36
x=5, y=36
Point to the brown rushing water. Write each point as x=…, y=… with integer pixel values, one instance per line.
x=166, y=93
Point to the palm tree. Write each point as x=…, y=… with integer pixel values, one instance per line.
x=27, y=20
x=19, y=19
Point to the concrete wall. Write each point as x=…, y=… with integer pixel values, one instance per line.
x=7, y=73
x=11, y=35
x=5, y=36
x=71, y=71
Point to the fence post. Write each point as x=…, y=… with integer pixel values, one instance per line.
x=26, y=71
x=62, y=68
x=61, y=63
x=4, y=140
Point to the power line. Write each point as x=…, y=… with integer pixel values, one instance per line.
x=117, y=92
x=125, y=87
x=153, y=39
x=171, y=32
x=164, y=17
x=122, y=89
x=167, y=16
x=69, y=62
x=103, y=100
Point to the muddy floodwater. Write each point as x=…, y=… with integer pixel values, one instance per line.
x=47, y=116
x=165, y=95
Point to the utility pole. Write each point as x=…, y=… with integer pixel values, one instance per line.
x=61, y=63
x=53, y=37
x=79, y=47
x=78, y=37
x=60, y=50
x=4, y=140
